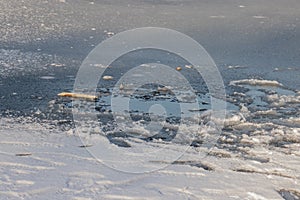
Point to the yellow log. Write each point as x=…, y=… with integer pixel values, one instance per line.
x=77, y=95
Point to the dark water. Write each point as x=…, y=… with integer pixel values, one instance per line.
x=262, y=36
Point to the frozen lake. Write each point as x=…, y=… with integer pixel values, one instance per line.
x=168, y=143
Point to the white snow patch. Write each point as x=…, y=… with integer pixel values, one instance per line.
x=217, y=16
x=24, y=182
x=259, y=17
x=255, y=196
x=256, y=82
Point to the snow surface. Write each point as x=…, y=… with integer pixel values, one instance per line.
x=256, y=157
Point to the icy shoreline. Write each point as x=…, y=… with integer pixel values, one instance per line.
x=256, y=157
x=56, y=167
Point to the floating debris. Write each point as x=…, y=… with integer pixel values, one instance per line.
x=121, y=87
x=164, y=89
x=47, y=77
x=23, y=154
x=178, y=68
x=256, y=82
x=85, y=146
x=198, y=110
x=107, y=78
x=235, y=66
x=110, y=33
x=57, y=65
x=77, y=95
